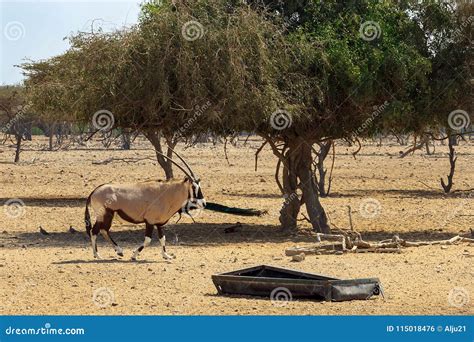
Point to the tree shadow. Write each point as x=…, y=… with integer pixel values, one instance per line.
x=257, y=195
x=397, y=193
x=403, y=193
x=50, y=201
x=198, y=235
x=176, y=234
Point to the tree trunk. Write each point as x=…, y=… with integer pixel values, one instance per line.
x=155, y=138
x=169, y=153
x=52, y=129
x=453, y=140
x=298, y=165
x=323, y=153
x=452, y=163
x=291, y=206
x=18, y=147
x=126, y=140
x=316, y=213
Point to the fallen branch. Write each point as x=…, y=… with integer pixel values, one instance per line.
x=377, y=250
x=415, y=146
x=347, y=245
x=343, y=239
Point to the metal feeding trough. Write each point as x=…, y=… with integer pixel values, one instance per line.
x=263, y=280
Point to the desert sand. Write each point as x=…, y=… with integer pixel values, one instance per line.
x=56, y=273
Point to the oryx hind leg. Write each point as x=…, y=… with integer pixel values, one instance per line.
x=104, y=229
x=102, y=223
x=94, y=233
x=146, y=243
x=162, y=238
x=117, y=248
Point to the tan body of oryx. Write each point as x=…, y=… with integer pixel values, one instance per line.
x=151, y=202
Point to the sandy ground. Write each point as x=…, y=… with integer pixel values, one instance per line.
x=56, y=274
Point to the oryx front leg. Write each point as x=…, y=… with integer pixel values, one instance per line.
x=162, y=238
x=146, y=243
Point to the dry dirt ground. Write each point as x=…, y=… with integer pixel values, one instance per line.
x=56, y=274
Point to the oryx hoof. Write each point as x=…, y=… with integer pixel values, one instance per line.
x=97, y=256
x=167, y=256
x=120, y=254
x=133, y=258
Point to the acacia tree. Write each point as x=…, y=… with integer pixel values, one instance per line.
x=453, y=69
x=354, y=55
x=15, y=117
x=314, y=79
x=444, y=104
x=339, y=73
x=152, y=77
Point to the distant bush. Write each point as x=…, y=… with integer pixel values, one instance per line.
x=36, y=131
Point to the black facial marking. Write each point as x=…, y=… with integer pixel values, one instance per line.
x=197, y=193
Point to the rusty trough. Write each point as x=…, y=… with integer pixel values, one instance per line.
x=262, y=280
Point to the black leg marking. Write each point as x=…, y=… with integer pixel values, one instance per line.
x=149, y=230
x=148, y=235
x=94, y=233
x=162, y=238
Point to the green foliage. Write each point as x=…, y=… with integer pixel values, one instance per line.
x=36, y=131
x=240, y=63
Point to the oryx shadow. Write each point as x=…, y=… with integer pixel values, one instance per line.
x=199, y=234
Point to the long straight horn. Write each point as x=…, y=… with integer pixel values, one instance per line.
x=184, y=162
x=175, y=163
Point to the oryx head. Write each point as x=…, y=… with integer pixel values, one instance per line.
x=195, y=199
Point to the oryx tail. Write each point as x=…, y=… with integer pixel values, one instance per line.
x=87, y=215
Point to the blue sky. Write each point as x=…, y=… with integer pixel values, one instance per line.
x=36, y=29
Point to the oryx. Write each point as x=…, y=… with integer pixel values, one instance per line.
x=150, y=202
